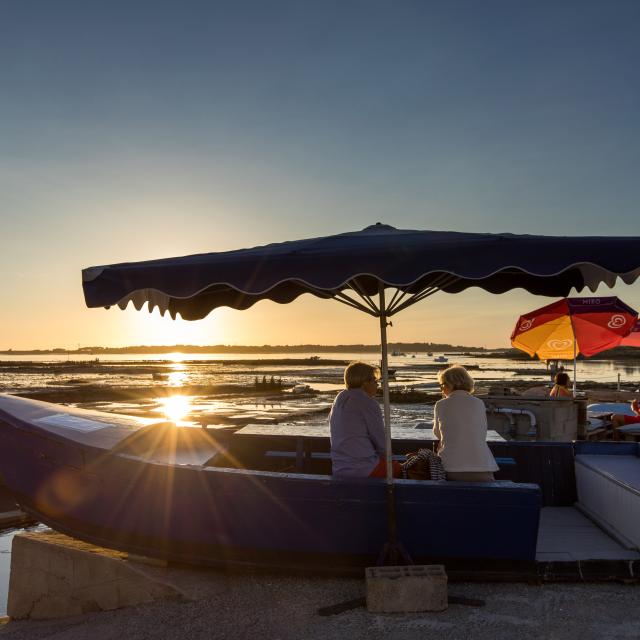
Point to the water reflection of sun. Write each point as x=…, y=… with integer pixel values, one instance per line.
x=175, y=408
x=177, y=378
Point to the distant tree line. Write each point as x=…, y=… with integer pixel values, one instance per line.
x=621, y=353
x=265, y=348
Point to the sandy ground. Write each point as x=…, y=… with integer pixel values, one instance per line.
x=218, y=605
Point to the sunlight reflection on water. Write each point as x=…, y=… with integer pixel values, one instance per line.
x=175, y=408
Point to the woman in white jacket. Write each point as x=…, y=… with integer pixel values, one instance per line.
x=460, y=423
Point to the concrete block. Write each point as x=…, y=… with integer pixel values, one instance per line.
x=406, y=589
x=54, y=576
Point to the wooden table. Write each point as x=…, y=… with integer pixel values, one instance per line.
x=304, y=438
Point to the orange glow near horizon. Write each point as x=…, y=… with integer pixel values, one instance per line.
x=473, y=318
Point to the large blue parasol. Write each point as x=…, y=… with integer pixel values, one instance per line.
x=357, y=269
x=416, y=262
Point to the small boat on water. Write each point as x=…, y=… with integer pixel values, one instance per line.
x=217, y=497
x=440, y=359
x=301, y=388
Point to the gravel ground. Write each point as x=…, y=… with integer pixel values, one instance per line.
x=219, y=605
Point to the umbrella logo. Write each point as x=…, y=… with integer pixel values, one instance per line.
x=559, y=345
x=617, y=321
x=525, y=325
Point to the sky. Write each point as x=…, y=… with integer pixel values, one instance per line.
x=132, y=130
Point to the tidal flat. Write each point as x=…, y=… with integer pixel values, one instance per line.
x=277, y=388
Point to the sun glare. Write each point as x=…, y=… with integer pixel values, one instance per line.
x=175, y=408
x=177, y=378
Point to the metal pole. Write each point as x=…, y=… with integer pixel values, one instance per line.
x=575, y=340
x=391, y=515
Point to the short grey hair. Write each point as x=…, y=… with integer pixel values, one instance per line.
x=357, y=373
x=457, y=378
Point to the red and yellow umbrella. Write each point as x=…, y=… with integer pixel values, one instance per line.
x=564, y=329
x=633, y=339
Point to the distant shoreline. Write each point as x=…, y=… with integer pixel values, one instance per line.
x=404, y=348
x=407, y=347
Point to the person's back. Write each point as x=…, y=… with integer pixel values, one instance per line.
x=560, y=388
x=357, y=434
x=560, y=392
x=462, y=425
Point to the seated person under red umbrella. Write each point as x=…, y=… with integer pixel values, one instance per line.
x=561, y=386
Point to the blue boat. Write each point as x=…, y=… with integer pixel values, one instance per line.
x=206, y=496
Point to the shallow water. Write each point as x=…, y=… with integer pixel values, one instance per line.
x=220, y=387
x=18, y=373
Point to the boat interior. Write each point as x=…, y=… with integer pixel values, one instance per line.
x=590, y=490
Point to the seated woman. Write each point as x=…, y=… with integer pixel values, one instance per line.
x=460, y=423
x=620, y=419
x=560, y=386
x=357, y=427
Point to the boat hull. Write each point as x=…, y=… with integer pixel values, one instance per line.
x=210, y=515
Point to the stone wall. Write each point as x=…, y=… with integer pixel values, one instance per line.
x=557, y=420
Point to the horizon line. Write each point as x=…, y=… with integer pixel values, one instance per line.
x=412, y=346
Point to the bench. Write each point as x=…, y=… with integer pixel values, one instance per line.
x=505, y=463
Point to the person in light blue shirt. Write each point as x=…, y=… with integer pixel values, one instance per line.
x=357, y=426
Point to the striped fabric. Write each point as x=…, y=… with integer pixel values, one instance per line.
x=423, y=465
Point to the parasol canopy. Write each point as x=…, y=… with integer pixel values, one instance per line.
x=633, y=338
x=414, y=262
x=572, y=326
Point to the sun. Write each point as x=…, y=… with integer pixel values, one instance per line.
x=175, y=408
x=154, y=329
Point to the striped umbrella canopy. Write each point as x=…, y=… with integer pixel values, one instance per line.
x=633, y=338
x=572, y=326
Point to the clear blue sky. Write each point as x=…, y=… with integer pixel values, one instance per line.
x=133, y=130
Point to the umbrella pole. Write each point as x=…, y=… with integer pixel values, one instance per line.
x=385, y=386
x=393, y=553
x=391, y=507
x=575, y=340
